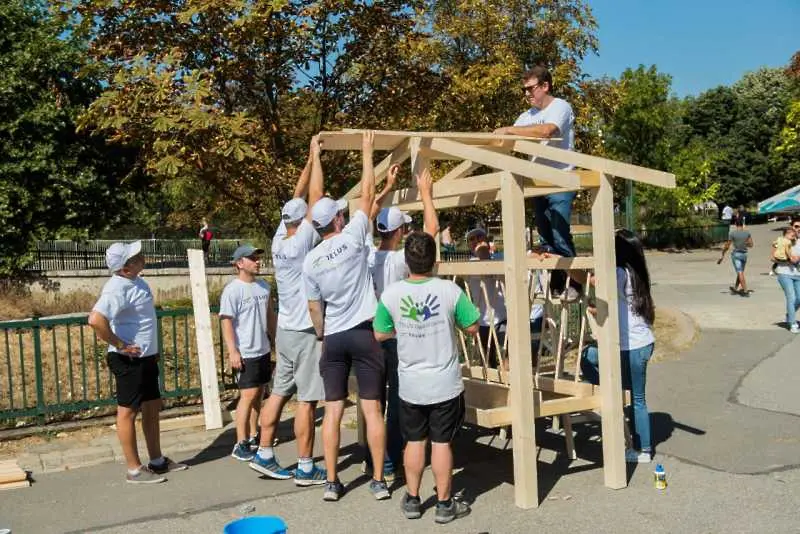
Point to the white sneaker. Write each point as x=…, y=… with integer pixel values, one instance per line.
x=795, y=328
x=632, y=456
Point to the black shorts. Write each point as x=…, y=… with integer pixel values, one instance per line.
x=353, y=348
x=438, y=422
x=136, y=378
x=255, y=372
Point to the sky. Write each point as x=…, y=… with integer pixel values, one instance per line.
x=701, y=43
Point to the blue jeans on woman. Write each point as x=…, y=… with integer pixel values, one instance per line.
x=791, y=290
x=634, y=377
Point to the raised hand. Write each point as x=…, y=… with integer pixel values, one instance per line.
x=315, y=147
x=425, y=182
x=367, y=140
x=391, y=176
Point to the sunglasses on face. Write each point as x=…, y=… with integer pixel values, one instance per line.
x=528, y=89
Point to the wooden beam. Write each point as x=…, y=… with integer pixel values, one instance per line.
x=461, y=170
x=526, y=493
x=540, y=173
x=477, y=199
x=469, y=268
x=475, y=184
x=462, y=137
x=595, y=163
x=607, y=316
x=205, y=342
x=399, y=154
x=565, y=264
x=500, y=416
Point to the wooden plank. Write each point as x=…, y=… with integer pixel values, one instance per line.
x=352, y=140
x=578, y=262
x=14, y=476
x=15, y=485
x=477, y=199
x=205, y=341
x=502, y=415
x=614, y=470
x=468, y=268
x=400, y=154
x=540, y=173
x=465, y=137
x=595, y=163
x=484, y=394
x=475, y=184
x=461, y=170
x=565, y=387
x=526, y=494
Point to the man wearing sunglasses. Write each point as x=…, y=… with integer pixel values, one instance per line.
x=249, y=321
x=550, y=117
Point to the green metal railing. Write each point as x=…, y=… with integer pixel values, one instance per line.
x=50, y=367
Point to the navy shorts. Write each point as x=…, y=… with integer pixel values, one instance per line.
x=136, y=378
x=354, y=348
x=438, y=422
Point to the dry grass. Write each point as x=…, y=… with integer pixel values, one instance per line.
x=24, y=304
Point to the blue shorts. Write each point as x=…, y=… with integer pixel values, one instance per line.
x=739, y=260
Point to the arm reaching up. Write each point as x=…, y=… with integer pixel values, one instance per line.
x=391, y=179
x=367, y=172
x=302, y=183
x=316, y=186
x=430, y=221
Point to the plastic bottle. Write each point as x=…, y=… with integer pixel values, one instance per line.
x=660, y=477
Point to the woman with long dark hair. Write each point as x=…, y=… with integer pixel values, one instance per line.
x=636, y=339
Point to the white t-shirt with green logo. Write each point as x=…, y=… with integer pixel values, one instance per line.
x=336, y=273
x=288, y=254
x=246, y=304
x=424, y=314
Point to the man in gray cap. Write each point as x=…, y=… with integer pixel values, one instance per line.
x=247, y=313
x=342, y=303
x=298, y=350
x=125, y=318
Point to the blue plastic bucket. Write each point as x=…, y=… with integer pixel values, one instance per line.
x=265, y=524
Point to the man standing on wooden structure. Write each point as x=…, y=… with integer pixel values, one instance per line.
x=342, y=303
x=297, y=366
x=423, y=312
x=125, y=318
x=390, y=267
x=247, y=314
x=550, y=117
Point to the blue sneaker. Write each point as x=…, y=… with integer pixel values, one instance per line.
x=242, y=452
x=270, y=467
x=316, y=477
x=390, y=474
x=379, y=490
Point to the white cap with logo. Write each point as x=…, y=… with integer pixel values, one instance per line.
x=119, y=253
x=390, y=219
x=294, y=210
x=325, y=210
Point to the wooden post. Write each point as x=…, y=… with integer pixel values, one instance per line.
x=526, y=492
x=212, y=409
x=608, y=336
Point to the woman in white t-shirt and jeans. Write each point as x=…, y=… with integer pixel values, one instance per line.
x=636, y=339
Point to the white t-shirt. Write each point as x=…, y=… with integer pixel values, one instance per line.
x=336, y=272
x=389, y=267
x=559, y=112
x=246, y=304
x=495, y=306
x=634, y=332
x=128, y=305
x=727, y=213
x=288, y=254
x=424, y=314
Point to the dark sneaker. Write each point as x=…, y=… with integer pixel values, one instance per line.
x=167, y=466
x=333, y=491
x=379, y=489
x=316, y=477
x=242, y=452
x=145, y=476
x=456, y=510
x=253, y=443
x=270, y=467
x=411, y=506
x=390, y=474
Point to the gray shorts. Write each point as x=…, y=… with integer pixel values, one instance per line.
x=297, y=368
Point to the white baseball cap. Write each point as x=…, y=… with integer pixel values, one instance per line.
x=390, y=219
x=294, y=210
x=119, y=253
x=325, y=209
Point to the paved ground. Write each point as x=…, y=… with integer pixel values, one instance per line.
x=726, y=426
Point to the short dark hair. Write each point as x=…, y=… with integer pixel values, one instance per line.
x=327, y=229
x=795, y=218
x=390, y=234
x=420, y=251
x=541, y=74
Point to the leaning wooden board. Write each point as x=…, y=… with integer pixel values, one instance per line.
x=12, y=475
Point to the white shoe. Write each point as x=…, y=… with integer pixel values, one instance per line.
x=795, y=328
x=632, y=456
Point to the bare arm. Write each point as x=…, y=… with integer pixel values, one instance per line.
x=230, y=342
x=749, y=242
x=471, y=329
x=391, y=179
x=367, y=172
x=302, y=182
x=316, y=186
x=317, y=317
x=381, y=336
x=430, y=221
x=102, y=328
x=535, y=130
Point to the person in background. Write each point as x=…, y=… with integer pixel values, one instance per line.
x=448, y=245
x=125, y=318
x=788, y=276
x=741, y=216
x=636, y=339
x=249, y=321
x=206, y=235
x=741, y=240
x=727, y=214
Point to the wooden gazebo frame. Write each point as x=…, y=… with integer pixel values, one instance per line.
x=515, y=177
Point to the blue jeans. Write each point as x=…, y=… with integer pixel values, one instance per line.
x=634, y=377
x=791, y=290
x=553, y=213
x=739, y=259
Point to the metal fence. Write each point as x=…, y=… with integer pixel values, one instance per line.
x=55, y=366
x=159, y=253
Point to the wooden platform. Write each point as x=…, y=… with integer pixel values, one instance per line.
x=12, y=476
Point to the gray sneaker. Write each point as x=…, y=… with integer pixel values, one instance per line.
x=145, y=476
x=411, y=507
x=379, y=489
x=167, y=466
x=456, y=510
